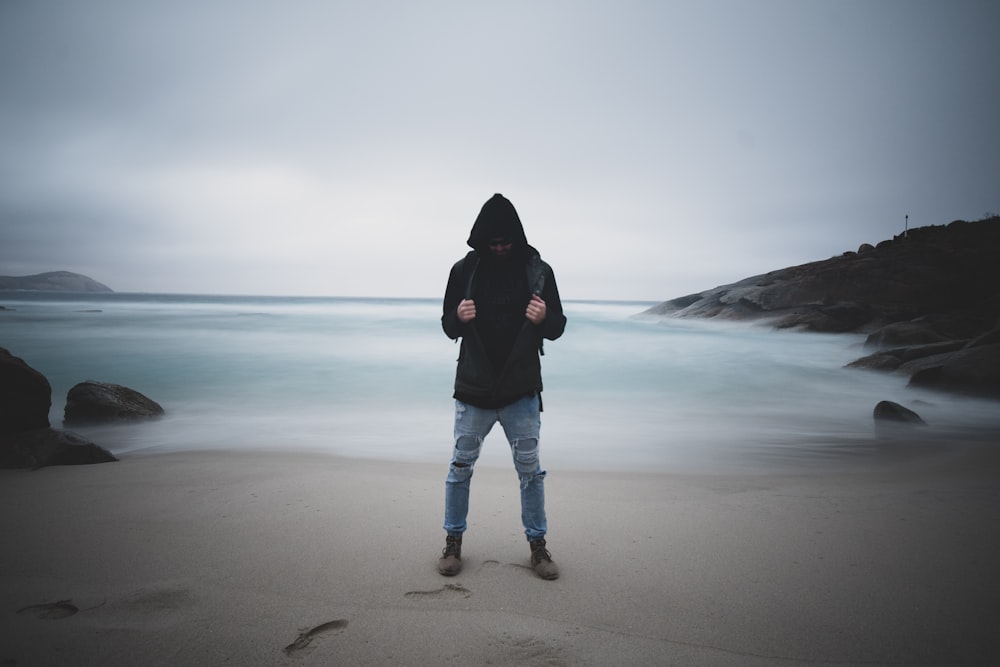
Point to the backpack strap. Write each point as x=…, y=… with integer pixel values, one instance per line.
x=470, y=265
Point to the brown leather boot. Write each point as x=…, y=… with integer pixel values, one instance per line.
x=541, y=561
x=450, y=562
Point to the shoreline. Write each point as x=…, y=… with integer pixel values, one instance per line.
x=263, y=557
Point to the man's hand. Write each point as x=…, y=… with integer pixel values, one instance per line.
x=466, y=310
x=536, y=310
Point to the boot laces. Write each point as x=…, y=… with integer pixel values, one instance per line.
x=452, y=547
x=539, y=552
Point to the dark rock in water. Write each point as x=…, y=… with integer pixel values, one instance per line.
x=894, y=412
x=971, y=370
x=25, y=395
x=49, y=447
x=910, y=359
x=880, y=361
x=26, y=441
x=91, y=402
x=932, y=328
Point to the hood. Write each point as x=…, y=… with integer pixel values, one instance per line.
x=498, y=218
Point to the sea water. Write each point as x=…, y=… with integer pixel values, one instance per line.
x=373, y=378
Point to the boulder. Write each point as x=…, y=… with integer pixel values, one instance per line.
x=42, y=447
x=26, y=440
x=894, y=412
x=94, y=402
x=971, y=370
x=25, y=396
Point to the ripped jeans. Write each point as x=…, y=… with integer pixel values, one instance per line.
x=521, y=424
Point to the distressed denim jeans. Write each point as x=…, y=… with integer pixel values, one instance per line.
x=521, y=424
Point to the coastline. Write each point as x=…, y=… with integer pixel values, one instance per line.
x=257, y=557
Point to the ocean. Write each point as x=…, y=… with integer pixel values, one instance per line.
x=372, y=378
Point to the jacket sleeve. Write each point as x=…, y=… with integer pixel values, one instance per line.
x=453, y=295
x=555, y=321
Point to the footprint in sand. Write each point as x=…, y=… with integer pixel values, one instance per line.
x=52, y=611
x=305, y=638
x=449, y=591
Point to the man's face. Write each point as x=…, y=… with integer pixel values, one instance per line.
x=500, y=247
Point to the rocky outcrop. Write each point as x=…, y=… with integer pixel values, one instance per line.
x=926, y=298
x=961, y=366
x=53, y=281
x=26, y=440
x=947, y=273
x=93, y=402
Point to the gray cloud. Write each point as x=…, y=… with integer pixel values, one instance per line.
x=652, y=148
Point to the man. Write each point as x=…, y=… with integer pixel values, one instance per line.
x=501, y=300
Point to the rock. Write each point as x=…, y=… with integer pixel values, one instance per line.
x=971, y=370
x=910, y=359
x=90, y=402
x=933, y=286
x=837, y=318
x=925, y=363
x=42, y=447
x=894, y=412
x=879, y=361
x=903, y=333
x=969, y=323
x=991, y=337
x=26, y=440
x=931, y=349
x=25, y=396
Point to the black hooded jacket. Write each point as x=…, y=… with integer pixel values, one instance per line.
x=498, y=362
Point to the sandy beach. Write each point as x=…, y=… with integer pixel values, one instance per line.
x=258, y=558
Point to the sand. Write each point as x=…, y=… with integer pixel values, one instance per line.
x=258, y=558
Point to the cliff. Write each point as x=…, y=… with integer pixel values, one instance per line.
x=53, y=281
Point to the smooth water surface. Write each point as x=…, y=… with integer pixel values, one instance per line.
x=373, y=378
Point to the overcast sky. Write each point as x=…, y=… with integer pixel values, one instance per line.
x=653, y=149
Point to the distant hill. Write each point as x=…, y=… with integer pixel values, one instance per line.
x=53, y=281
